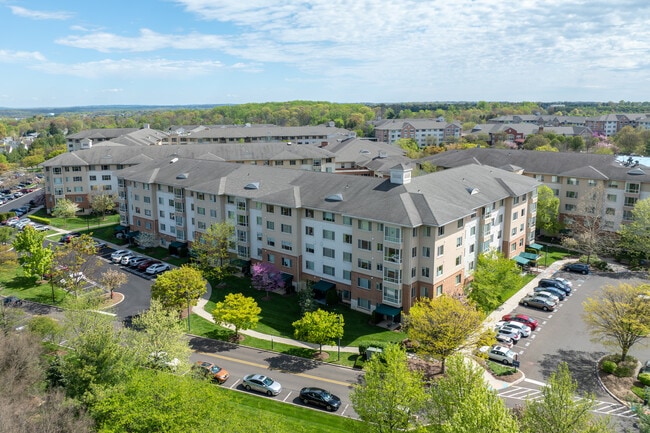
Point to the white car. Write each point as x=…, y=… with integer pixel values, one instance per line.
x=511, y=333
x=117, y=255
x=564, y=281
x=548, y=296
x=157, y=268
x=524, y=330
x=502, y=354
x=124, y=260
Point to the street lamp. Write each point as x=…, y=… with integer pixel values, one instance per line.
x=338, y=317
x=188, y=310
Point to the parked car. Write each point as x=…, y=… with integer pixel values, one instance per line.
x=552, y=290
x=124, y=259
x=502, y=354
x=12, y=301
x=157, y=268
x=117, y=255
x=522, y=318
x=99, y=244
x=136, y=261
x=564, y=281
x=162, y=361
x=524, y=330
x=41, y=227
x=552, y=282
x=18, y=194
x=536, y=302
x=580, y=268
x=212, y=371
x=12, y=221
x=511, y=333
x=144, y=265
x=504, y=341
x=645, y=368
x=547, y=295
x=261, y=383
x=66, y=238
x=320, y=397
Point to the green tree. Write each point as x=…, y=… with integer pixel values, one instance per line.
x=319, y=327
x=619, y=316
x=548, y=210
x=494, y=275
x=175, y=288
x=33, y=160
x=73, y=263
x=559, y=410
x=390, y=395
x=102, y=204
x=443, y=326
x=211, y=250
x=635, y=235
x=535, y=141
x=462, y=402
x=546, y=148
x=629, y=141
x=65, y=209
x=146, y=240
x=240, y=311
x=410, y=146
x=5, y=234
x=160, y=332
x=35, y=257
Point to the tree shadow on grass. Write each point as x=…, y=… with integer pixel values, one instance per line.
x=582, y=366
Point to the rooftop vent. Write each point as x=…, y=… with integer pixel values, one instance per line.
x=182, y=176
x=636, y=171
x=364, y=151
x=472, y=191
x=252, y=185
x=334, y=197
x=173, y=160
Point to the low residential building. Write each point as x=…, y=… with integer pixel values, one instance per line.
x=573, y=177
x=425, y=132
x=380, y=243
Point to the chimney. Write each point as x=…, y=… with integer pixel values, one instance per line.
x=323, y=143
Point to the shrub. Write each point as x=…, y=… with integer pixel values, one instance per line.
x=644, y=378
x=608, y=366
x=41, y=220
x=365, y=345
x=623, y=371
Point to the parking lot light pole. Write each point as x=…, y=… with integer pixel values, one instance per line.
x=188, y=311
x=339, y=347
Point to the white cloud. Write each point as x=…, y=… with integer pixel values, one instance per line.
x=40, y=15
x=138, y=68
x=9, y=56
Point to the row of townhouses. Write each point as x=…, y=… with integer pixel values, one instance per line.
x=573, y=177
x=517, y=133
x=607, y=124
x=381, y=243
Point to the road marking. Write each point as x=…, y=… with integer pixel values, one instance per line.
x=534, y=382
x=266, y=367
x=287, y=397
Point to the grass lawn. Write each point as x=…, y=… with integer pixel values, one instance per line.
x=79, y=223
x=280, y=311
x=13, y=283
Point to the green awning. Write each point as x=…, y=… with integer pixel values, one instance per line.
x=530, y=256
x=520, y=260
x=387, y=310
x=120, y=228
x=536, y=246
x=287, y=278
x=323, y=286
x=130, y=235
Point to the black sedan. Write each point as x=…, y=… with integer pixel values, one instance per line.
x=320, y=397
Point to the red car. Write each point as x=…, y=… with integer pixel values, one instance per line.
x=144, y=265
x=521, y=318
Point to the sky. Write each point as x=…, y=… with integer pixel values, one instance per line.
x=183, y=52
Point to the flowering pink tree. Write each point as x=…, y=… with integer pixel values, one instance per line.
x=266, y=277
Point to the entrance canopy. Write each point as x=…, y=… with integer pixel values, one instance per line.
x=530, y=256
x=130, y=235
x=520, y=260
x=323, y=286
x=536, y=246
x=387, y=310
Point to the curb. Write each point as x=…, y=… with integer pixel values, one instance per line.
x=602, y=385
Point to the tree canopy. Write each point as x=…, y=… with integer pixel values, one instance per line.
x=35, y=257
x=548, y=210
x=65, y=209
x=240, y=311
x=211, y=250
x=319, y=327
x=175, y=288
x=635, y=235
x=494, y=275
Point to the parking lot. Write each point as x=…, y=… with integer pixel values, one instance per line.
x=106, y=252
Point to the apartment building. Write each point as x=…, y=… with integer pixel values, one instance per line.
x=573, y=177
x=380, y=243
x=517, y=133
x=607, y=124
x=77, y=175
x=425, y=132
x=252, y=133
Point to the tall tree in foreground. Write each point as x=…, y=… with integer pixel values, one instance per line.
x=559, y=411
x=35, y=258
x=462, y=402
x=494, y=275
x=319, y=327
x=548, y=210
x=390, y=396
x=619, y=316
x=211, y=250
x=240, y=311
x=635, y=236
x=443, y=326
x=176, y=288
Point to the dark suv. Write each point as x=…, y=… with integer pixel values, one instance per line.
x=66, y=238
x=547, y=282
x=577, y=267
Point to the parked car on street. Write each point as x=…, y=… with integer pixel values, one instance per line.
x=536, y=302
x=212, y=371
x=645, y=368
x=522, y=318
x=320, y=397
x=261, y=383
x=580, y=268
x=552, y=290
x=502, y=354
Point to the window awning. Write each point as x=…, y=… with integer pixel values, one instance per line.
x=520, y=260
x=177, y=244
x=120, y=228
x=287, y=278
x=387, y=310
x=536, y=246
x=130, y=235
x=323, y=286
x=530, y=256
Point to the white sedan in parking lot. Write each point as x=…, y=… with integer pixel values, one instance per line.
x=157, y=268
x=117, y=255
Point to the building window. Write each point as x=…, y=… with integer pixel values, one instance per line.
x=309, y=231
x=630, y=201
x=329, y=252
x=426, y=252
x=611, y=197
x=329, y=235
x=460, y=224
x=309, y=213
x=365, y=225
x=441, y=231
x=347, y=275
x=364, y=245
x=459, y=241
x=270, y=208
x=285, y=228
x=363, y=303
x=147, y=212
x=364, y=264
x=439, y=290
x=569, y=207
x=572, y=194
x=347, y=257
x=270, y=225
x=270, y=242
x=106, y=177
x=347, y=220
x=364, y=283
x=328, y=216
x=76, y=179
x=347, y=239
x=459, y=260
x=286, y=262
x=270, y=258
x=439, y=271
x=427, y=232
x=572, y=181
x=440, y=251
x=425, y=272
x=632, y=188
x=285, y=211
x=286, y=245
x=610, y=211
x=309, y=265
x=329, y=270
